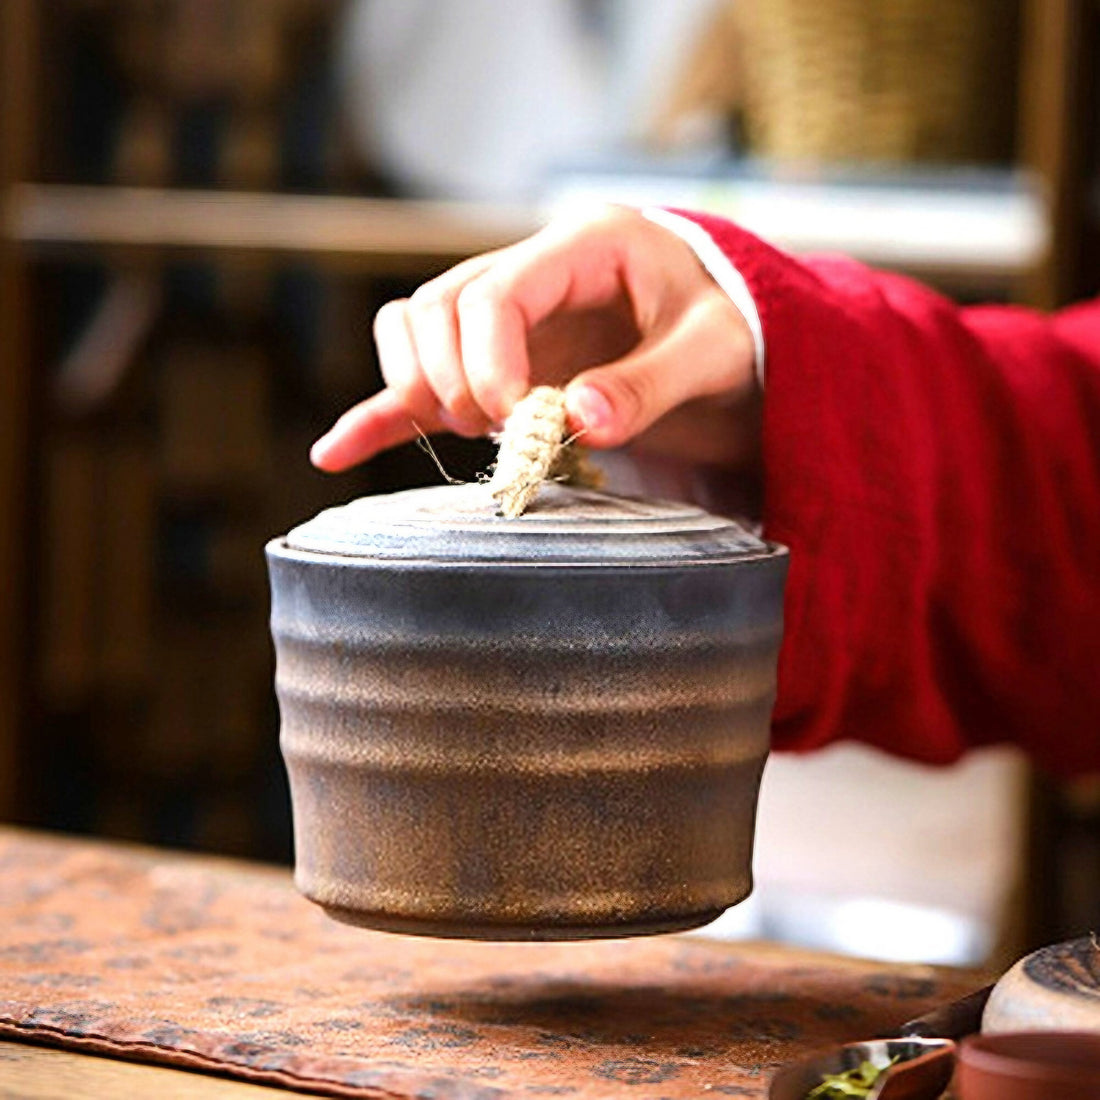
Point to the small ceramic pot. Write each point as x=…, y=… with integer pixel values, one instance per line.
x=545, y=728
x=1038, y=1065
x=1055, y=988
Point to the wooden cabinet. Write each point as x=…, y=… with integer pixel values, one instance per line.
x=168, y=354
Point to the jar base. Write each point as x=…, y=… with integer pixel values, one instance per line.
x=452, y=930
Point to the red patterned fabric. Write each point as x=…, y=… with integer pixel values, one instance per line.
x=936, y=473
x=212, y=965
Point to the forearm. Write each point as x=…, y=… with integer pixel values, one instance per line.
x=936, y=473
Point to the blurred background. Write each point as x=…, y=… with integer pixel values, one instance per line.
x=205, y=201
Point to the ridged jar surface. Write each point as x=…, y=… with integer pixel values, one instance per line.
x=524, y=750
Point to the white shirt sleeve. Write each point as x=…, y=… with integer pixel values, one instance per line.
x=720, y=269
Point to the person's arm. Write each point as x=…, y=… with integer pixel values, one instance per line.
x=936, y=473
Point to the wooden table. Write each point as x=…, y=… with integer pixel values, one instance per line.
x=135, y=955
x=30, y=1072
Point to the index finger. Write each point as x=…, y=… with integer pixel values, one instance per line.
x=365, y=429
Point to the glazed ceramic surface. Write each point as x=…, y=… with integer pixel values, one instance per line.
x=1055, y=988
x=550, y=727
x=912, y=1069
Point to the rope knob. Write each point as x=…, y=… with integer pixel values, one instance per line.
x=533, y=448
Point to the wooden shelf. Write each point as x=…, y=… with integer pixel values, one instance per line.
x=367, y=234
x=398, y=236
x=976, y=232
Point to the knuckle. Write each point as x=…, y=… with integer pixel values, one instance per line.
x=390, y=314
x=612, y=213
x=455, y=399
x=430, y=299
x=404, y=378
x=631, y=394
x=485, y=293
x=400, y=379
x=461, y=401
x=383, y=316
x=596, y=217
x=485, y=394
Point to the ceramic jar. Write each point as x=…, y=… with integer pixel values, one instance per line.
x=551, y=727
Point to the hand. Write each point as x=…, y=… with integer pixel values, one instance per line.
x=616, y=307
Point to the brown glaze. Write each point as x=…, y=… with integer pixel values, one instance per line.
x=557, y=744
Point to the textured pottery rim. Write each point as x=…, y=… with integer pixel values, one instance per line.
x=1033, y=1056
x=446, y=525
x=281, y=547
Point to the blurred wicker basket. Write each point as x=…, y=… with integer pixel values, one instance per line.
x=882, y=80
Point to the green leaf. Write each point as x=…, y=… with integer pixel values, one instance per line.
x=856, y=1082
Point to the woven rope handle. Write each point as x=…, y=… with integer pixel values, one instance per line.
x=533, y=448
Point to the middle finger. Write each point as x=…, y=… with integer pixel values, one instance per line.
x=433, y=325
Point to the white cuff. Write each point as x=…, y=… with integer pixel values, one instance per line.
x=720, y=269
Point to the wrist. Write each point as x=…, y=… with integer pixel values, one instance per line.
x=723, y=272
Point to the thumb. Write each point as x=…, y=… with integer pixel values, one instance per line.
x=707, y=352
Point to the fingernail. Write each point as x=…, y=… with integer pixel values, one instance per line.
x=319, y=451
x=588, y=407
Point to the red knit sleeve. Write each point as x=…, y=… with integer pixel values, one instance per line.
x=936, y=474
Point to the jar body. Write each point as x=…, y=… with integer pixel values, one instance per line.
x=522, y=750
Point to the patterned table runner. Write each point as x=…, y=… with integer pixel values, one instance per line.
x=221, y=966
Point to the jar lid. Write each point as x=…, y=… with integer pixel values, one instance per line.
x=566, y=525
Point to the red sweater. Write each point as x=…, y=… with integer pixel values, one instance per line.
x=935, y=471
